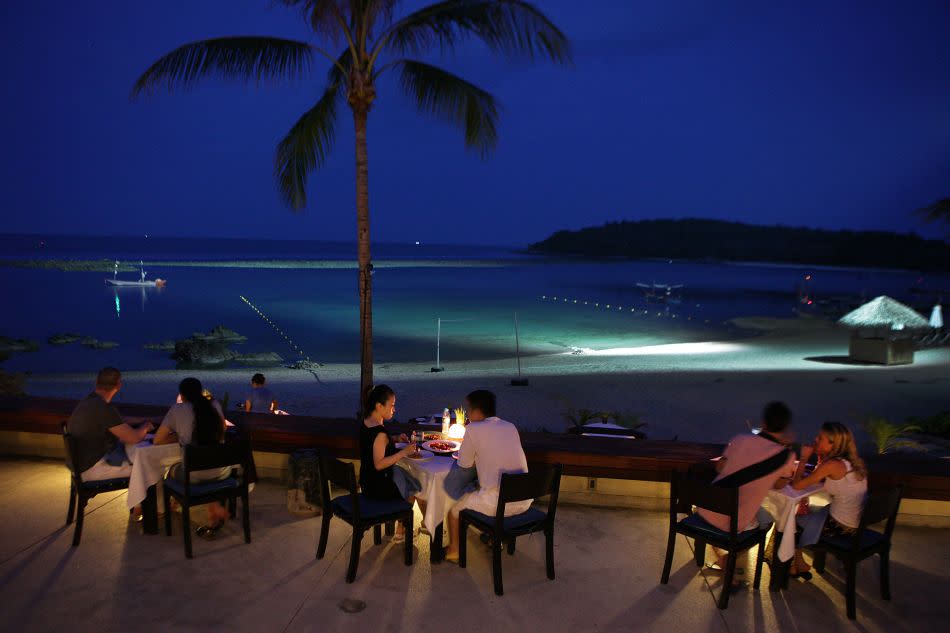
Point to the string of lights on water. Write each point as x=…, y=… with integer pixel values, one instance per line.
x=613, y=307
x=276, y=328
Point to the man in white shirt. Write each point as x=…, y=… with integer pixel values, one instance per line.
x=493, y=447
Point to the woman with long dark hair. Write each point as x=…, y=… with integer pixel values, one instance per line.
x=378, y=455
x=198, y=421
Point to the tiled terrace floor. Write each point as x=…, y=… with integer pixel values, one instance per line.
x=608, y=566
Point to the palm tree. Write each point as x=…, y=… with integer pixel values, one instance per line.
x=374, y=40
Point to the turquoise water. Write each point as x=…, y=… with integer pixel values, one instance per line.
x=476, y=293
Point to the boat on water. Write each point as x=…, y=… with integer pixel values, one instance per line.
x=141, y=283
x=663, y=293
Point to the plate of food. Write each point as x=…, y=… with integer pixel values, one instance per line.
x=419, y=456
x=441, y=447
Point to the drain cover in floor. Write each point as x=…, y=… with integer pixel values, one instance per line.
x=351, y=605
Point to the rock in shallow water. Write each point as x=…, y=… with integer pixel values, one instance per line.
x=17, y=345
x=63, y=339
x=94, y=343
x=164, y=346
x=199, y=351
x=259, y=358
x=220, y=334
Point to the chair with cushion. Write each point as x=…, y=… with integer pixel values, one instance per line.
x=359, y=511
x=881, y=505
x=541, y=480
x=80, y=492
x=190, y=493
x=686, y=492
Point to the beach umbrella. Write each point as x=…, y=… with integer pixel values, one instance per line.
x=884, y=313
x=936, y=317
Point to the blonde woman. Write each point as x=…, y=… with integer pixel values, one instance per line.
x=845, y=479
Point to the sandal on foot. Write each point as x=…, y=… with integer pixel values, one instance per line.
x=399, y=538
x=452, y=558
x=208, y=532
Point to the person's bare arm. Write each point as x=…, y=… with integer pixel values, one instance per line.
x=128, y=434
x=164, y=435
x=380, y=460
x=247, y=405
x=834, y=469
x=273, y=404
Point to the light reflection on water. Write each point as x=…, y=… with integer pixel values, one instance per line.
x=317, y=308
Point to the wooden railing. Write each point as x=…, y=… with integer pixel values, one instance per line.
x=923, y=477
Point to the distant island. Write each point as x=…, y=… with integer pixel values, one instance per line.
x=716, y=240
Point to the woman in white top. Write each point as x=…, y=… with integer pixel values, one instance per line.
x=845, y=480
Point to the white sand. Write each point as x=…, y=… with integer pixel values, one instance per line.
x=697, y=391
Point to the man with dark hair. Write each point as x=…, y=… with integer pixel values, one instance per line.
x=101, y=435
x=776, y=417
x=493, y=447
x=260, y=400
x=755, y=463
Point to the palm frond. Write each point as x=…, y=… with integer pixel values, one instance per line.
x=306, y=147
x=455, y=100
x=247, y=58
x=939, y=211
x=326, y=17
x=512, y=27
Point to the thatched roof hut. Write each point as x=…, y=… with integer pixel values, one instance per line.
x=882, y=330
x=884, y=314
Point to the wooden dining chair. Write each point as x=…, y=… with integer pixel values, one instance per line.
x=233, y=453
x=686, y=492
x=542, y=480
x=80, y=492
x=358, y=510
x=881, y=506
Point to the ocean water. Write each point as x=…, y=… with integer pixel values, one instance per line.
x=476, y=293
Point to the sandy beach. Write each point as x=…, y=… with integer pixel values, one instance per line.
x=703, y=391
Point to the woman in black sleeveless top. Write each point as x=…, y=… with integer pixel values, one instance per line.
x=379, y=479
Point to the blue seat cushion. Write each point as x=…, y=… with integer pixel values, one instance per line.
x=531, y=517
x=369, y=508
x=869, y=538
x=698, y=526
x=203, y=488
x=106, y=484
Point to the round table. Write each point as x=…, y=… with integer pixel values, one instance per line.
x=431, y=474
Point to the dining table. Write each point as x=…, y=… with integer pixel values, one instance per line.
x=782, y=505
x=431, y=472
x=149, y=464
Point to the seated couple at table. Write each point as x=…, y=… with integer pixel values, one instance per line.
x=492, y=447
x=840, y=469
x=105, y=443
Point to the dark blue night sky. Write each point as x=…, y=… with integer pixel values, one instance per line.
x=823, y=113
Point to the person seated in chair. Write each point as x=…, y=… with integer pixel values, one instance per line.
x=198, y=421
x=845, y=479
x=748, y=451
x=493, y=447
x=379, y=478
x=104, y=442
x=260, y=399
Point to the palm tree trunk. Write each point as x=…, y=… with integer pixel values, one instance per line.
x=363, y=254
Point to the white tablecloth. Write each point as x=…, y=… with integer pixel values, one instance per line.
x=431, y=473
x=149, y=463
x=781, y=504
